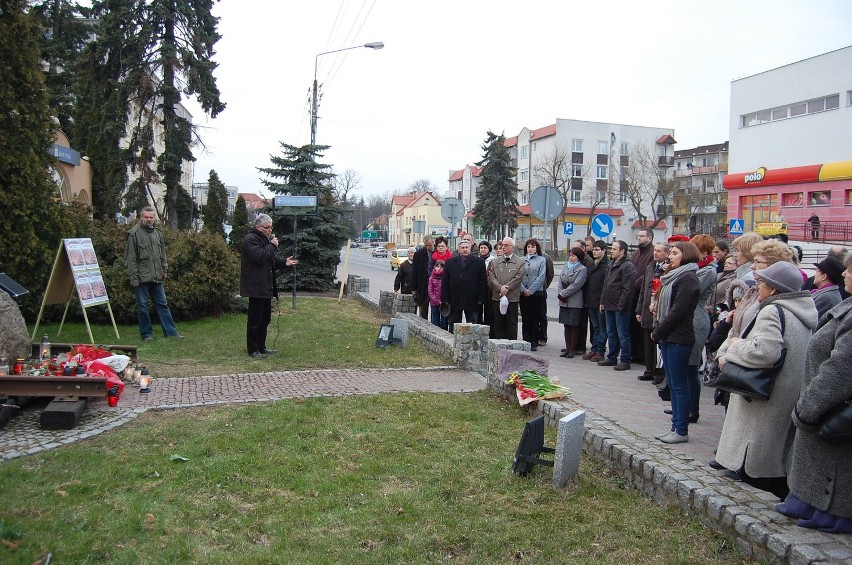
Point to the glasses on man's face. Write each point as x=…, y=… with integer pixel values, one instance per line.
x=597, y=250
x=266, y=227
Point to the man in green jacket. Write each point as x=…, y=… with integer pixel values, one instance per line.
x=145, y=257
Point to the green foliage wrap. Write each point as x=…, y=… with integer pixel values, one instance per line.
x=240, y=226
x=215, y=211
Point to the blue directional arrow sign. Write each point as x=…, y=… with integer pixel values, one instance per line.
x=602, y=225
x=568, y=228
x=736, y=227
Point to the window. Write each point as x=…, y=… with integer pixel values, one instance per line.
x=622, y=198
x=576, y=196
x=625, y=176
x=525, y=151
x=625, y=148
x=577, y=145
x=600, y=196
x=525, y=175
x=603, y=148
x=576, y=170
x=601, y=172
x=823, y=104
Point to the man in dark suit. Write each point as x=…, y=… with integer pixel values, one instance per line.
x=464, y=287
x=420, y=275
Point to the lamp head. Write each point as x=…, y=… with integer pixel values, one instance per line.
x=374, y=45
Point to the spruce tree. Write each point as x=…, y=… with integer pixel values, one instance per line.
x=215, y=211
x=28, y=224
x=153, y=52
x=320, y=236
x=64, y=33
x=497, y=205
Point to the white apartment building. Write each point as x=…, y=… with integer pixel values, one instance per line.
x=596, y=155
x=700, y=204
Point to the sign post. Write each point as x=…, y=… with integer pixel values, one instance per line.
x=452, y=210
x=547, y=204
x=296, y=206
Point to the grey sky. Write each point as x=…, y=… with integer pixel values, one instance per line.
x=450, y=71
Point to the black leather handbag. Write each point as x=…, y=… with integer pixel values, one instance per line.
x=747, y=381
x=835, y=426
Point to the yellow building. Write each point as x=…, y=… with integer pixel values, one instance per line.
x=72, y=173
x=411, y=212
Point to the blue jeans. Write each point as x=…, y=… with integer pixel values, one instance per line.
x=597, y=329
x=438, y=320
x=158, y=297
x=618, y=331
x=676, y=364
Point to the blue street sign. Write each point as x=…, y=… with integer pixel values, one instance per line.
x=568, y=228
x=602, y=225
x=736, y=227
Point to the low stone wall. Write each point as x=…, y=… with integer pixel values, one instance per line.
x=732, y=508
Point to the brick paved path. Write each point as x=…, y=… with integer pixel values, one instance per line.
x=23, y=436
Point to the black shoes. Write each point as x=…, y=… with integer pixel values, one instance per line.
x=715, y=465
x=622, y=367
x=606, y=363
x=644, y=377
x=267, y=351
x=257, y=355
x=693, y=418
x=566, y=355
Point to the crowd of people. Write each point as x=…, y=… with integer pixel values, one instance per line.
x=683, y=308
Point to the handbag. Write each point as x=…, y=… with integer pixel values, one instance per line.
x=835, y=426
x=751, y=382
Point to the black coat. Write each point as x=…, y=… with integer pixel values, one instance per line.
x=464, y=286
x=402, y=282
x=594, y=283
x=420, y=274
x=618, y=286
x=258, y=261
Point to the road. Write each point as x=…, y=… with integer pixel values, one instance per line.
x=381, y=277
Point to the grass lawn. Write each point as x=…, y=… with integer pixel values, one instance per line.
x=399, y=478
x=320, y=334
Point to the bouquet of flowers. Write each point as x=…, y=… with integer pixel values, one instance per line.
x=531, y=386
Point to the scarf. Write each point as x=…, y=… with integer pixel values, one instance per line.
x=668, y=281
x=704, y=261
x=437, y=256
x=571, y=266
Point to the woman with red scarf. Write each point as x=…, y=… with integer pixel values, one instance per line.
x=441, y=253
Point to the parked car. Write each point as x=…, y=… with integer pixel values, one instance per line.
x=380, y=252
x=398, y=257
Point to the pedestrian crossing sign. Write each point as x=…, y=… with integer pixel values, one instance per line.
x=736, y=227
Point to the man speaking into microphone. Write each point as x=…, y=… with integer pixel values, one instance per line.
x=258, y=262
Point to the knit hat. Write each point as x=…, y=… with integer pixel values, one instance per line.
x=832, y=268
x=679, y=237
x=782, y=276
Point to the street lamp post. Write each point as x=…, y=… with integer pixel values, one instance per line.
x=314, y=102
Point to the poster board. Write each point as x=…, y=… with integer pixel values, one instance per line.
x=76, y=267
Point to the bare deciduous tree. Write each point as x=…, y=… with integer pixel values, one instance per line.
x=345, y=183
x=649, y=187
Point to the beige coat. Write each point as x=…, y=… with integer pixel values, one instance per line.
x=506, y=273
x=754, y=433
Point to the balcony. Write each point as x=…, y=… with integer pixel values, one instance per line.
x=663, y=210
x=663, y=161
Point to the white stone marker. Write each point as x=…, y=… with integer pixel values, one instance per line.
x=400, y=330
x=569, y=447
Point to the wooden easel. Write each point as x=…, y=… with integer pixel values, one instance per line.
x=63, y=283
